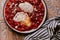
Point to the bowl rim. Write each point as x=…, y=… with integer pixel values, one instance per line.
x=30, y=31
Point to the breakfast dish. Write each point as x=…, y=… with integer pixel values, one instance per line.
x=24, y=15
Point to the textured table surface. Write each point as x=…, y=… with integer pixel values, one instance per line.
x=6, y=33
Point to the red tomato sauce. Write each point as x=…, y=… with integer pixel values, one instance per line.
x=36, y=16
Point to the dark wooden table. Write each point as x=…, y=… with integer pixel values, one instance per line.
x=6, y=33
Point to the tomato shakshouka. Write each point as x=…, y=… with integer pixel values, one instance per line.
x=24, y=15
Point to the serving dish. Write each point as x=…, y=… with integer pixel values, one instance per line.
x=25, y=16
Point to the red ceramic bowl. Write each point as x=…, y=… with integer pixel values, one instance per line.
x=36, y=23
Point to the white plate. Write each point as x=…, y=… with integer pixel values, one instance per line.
x=32, y=29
